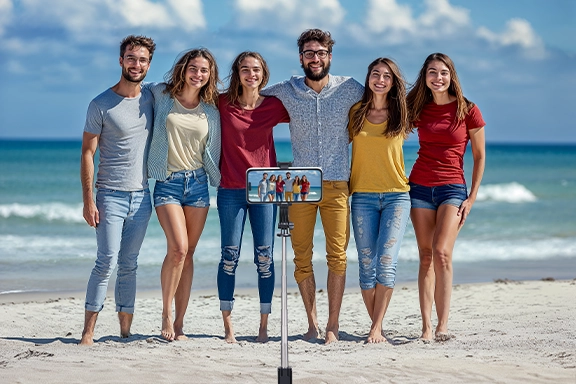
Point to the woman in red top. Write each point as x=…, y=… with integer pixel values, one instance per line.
x=305, y=187
x=247, y=120
x=446, y=121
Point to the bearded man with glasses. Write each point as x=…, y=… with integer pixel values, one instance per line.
x=318, y=105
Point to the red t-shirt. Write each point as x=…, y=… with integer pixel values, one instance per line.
x=247, y=139
x=280, y=186
x=443, y=142
x=305, y=185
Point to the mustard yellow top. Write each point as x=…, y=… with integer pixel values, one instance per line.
x=377, y=161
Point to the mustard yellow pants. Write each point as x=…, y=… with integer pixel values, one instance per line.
x=334, y=213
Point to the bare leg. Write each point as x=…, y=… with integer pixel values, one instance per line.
x=173, y=222
x=228, y=329
x=195, y=220
x=424, y=222
x=125, y=323
x=263, y=330
x=308, y=291
x=368, y=297
x=445, y=237
x=336, y=285
x=382, y=298
x=89, y=325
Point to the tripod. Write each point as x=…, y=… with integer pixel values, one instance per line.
x=284, y=225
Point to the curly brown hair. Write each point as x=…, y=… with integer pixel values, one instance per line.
x=397, y=109
x=176, y=78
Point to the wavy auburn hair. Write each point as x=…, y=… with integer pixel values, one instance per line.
x=420, y=94
x=176, y=78
x=397, y=109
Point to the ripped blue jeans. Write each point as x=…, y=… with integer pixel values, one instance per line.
x=232, y=211
x=184, y=188
x=379, y=221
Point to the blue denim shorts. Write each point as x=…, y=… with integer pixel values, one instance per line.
x=185, y=188
x=433, y=197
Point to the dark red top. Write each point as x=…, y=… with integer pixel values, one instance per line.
x=247, y=139
x=443, y=142
x=305, y=186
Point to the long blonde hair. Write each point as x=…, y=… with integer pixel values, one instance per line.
x=397, y=109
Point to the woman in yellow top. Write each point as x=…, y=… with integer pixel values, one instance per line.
x=296, y=188
x=378, y=185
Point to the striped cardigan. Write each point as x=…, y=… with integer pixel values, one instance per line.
x=158, y=155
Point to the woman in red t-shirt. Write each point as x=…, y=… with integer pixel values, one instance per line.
x=304, y=187
x=446, y=121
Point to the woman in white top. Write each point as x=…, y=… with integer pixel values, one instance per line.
x=185, y=149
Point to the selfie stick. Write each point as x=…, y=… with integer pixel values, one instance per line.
x=284, y=225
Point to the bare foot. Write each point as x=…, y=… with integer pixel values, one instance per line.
x=87, y=339
x=167, y=329
x=443, y=336
x=125, y=324
x=426, y=334
x=331, y=336
x=311, y=334
x=262, y=336
x=375, y=336
x=179, y=332
x=229, y=336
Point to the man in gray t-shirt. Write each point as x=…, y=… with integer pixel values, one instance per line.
x=118, y=123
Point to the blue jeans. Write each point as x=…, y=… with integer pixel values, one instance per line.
x=232, y=210
x=379, y=221
x=124, y=218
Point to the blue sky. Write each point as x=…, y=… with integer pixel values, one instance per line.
x=516, y=59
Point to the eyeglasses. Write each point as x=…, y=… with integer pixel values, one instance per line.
x=132, y=60
x=309, y=54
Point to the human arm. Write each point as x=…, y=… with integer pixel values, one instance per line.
x=478, y=144
x=89, y=145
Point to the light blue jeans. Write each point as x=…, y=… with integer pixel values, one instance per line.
x=379, y=221
x=232, y=211
x=124, y=218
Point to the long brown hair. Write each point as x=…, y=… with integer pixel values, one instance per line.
x=397, y=109
x=176, y=78
x=420, y=94
x=235, y=86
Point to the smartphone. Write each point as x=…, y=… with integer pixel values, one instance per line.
x=276, y=185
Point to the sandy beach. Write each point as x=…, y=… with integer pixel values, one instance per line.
x=504, y=332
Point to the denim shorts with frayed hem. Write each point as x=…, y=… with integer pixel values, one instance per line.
x=433, y=197
x=184, y=188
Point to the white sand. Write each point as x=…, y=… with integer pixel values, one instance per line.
x=516, y=332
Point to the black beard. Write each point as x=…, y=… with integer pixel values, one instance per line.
x=126, y=75
x=316, y=77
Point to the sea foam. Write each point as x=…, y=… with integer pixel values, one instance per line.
x=48, y=211
x=509, y=193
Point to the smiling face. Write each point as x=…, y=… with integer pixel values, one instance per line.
x=250, y=70
x=381, y=79
x=437, y=77
x=135, y=64
x=197, y=72
x=315, y=68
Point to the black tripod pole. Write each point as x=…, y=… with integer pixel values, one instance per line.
x=284, y=225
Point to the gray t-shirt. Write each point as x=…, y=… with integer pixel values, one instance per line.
x=124, y=125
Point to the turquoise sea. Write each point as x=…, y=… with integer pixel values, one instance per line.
x=523, y=225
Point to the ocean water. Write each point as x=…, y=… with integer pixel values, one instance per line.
x=523, y=225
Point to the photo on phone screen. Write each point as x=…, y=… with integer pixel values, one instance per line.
x=276, y=185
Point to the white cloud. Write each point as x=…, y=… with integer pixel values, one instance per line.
x=288, y=16
x=397, y=24
x=90, y=19
x=6, y=7
x=519, y=33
